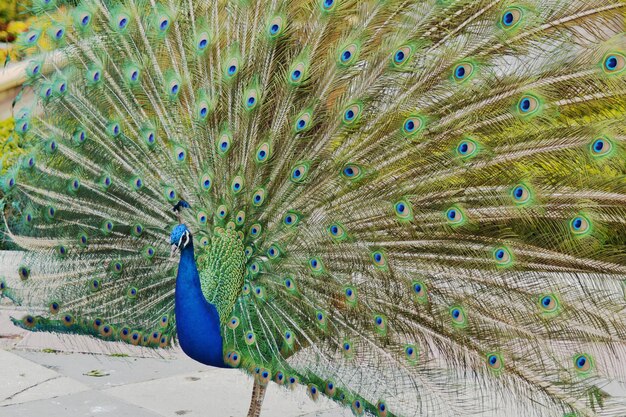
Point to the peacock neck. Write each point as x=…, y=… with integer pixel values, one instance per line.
x=197, y=321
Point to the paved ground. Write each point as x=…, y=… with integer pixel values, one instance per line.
x=47, y=375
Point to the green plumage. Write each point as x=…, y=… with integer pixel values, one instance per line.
x=417, y=205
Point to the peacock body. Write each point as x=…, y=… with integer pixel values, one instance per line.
x=411, y=207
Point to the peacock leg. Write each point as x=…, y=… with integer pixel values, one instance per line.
x=258, y=394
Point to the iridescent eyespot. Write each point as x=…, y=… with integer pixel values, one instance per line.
x=351, y=296
x=132, y=293
x=206, y=181
x=273, y=251
x=420, y=292
x=251, y=99
x=84, y=19
x=580, y=225
x=303, y=121
x=61, y=250
x=403, y=210
x=337, y=232
x=221, y=212
x=457, y=314
x=164, y=24
x=263, y=153
x=313, y=392
x=136, y=183
x=320, y=318
x=50, y=212
x=380, y=324
x=357, y=407
x=411, y=353
x=511, y=17
x=279, y=378
x=379, y=259
x=614, y=63
x=352, y=113
x=233, y=323
x=54, y=307
x=114, y=129
x=502, y=256
x=202, y=41
x=316, y=265
x=299, y=172
x=94, y=285
x=106, y=182
x=255, y=230
x=351, y=172
x=549, y=303
x=29, y=321
x=601, y=147
x=412, y=125
x=455, y=216
x=276, y=27
x=463, y=71
x=231, y=68
x=521, y=194
x=297, y=74
x=107, y=227
x=250, y=338
x=224, y=142
x=173, y=87
x=24, y=272
x=258, y=198
x=254, y=269
x=31, y=36
x=583, y=364
x=237, y=184
x=381, y=409
x=290, y=285
x=291, y=219
x=328, y=5
x=240, y=218
x=132, y=74
x=528, y=105
x=330, y=389
x=149, y=252
x=349, y=54
x=495, y=362
x=402, y=55
x=68, y=320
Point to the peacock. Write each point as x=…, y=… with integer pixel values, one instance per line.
x=411, y=207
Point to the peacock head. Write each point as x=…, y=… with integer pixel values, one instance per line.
x=180, y=238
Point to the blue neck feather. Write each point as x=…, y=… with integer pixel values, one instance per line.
x=197, y=321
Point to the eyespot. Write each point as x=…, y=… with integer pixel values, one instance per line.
x=94, y=285
x=83, y=239
x=402, y=56
x=328, y=5
x=106, y=182
x=173, y=87
x=250, y=338
x=352, y=113
x=583, y=364
x=528, y=105
x=297, y=74
x=288, y=336
x=463, y=71
x=31, y=37
x=292, y=382
x=84, y=19
x=136, y=183
x=263, y=153
x=114, y=129
x=351, y=296
x=206, y=181
x=337, y=232
x=412, y=125
x=495, y=362
x=204, y=241
x=251, y=99
x=33, y=69
x=224, y=142
x=237, y=184
x=601, y=147
x=511, y=18
x=548, y=303
x=299, y=172
x=580, y=225
x=403, y=210
x=303, y=122
x=61, y=251
x=352, y=172
x=202, y=109
x=258, y=198
x=202, y=41
x=279, y=378
x=240, y=218
x=330, y=388
x=275, y=27
x=132, y=293
x=455, y=216
x=457, y=314
x=68, y=320
x=54, y=307
x=614, y=63
x=202, y=217
x=411, y=352
x=357, y=407
x=231, y=68
x=24, y=272
x=380, y=324
x=316, y=265
x=107, y=227
x=254, y=269
x=50, y=212
x=291, y=219
x=255, y=230
x=273, y=251
x=221, y=212
x=290, y=285
x=313, y=392
x=170, y=194
x=379, y=259
x=521, y=194
x=51, y=146
x=132, y=74
x=420, y=292
x=120, y=21
x=149, y=252
x=233, y=323
x=348, y=55
x=320, y=318
x=502, y=256
x=164, y=24
x=116, y=267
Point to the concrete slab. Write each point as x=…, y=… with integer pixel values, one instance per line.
x=23, y=381
x=83, y=404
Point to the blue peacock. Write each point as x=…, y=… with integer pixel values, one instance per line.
x=413, y=208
